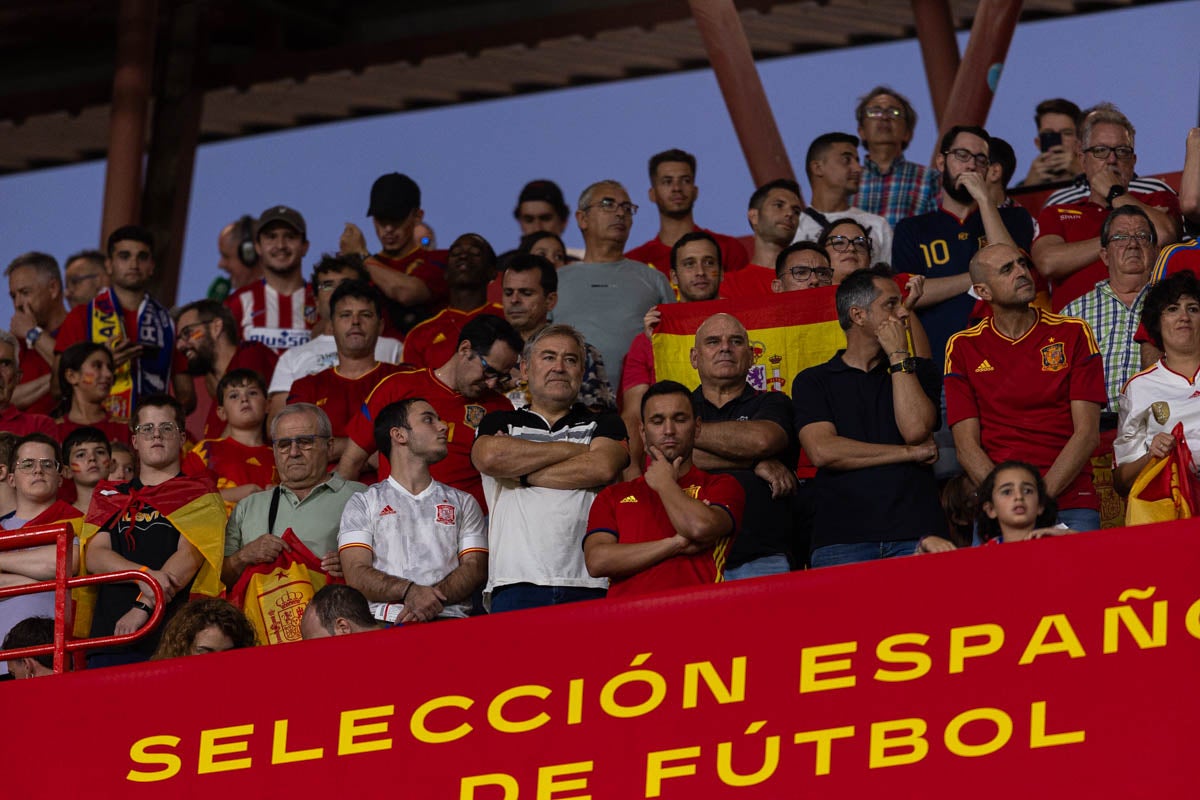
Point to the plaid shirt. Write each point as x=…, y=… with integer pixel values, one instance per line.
x=1114, y=325
x=909, y=189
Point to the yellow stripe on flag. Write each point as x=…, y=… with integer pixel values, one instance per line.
x=789, y=333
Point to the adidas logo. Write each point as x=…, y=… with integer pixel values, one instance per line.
x=629, y=499
x=387, y=510
x=985, y=367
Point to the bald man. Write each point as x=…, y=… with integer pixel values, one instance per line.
x=750, y=435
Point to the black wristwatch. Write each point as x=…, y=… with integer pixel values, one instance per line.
x=907, y=365
x=1115, y=192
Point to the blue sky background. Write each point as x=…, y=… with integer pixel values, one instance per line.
x=471, y=160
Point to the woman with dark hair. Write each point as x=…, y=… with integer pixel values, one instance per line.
x=211, y=625
x=546, y=244
x=849, y=247
x=85, y=377
x=1158, y=398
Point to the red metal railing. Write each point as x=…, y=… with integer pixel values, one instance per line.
x=62, y=536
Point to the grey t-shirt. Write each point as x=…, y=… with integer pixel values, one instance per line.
x=606, y=303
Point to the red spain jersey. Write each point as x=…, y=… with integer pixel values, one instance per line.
x=34, y=366
x=633, y=512
x=280, y=322
x=1078, y=222
x=115, y=431
x=656, y=254
x=432, y=342
x=229, y=463
x=341, y=398
x=462, y=415
x=1021, y=391
x=430, y=267
x=249, y=355
x=752, y=281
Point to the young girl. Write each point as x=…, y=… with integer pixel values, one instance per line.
x=1013, y=507
x=85, y=376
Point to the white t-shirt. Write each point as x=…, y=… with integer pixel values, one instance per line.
x=321, y=353
x=416, y=537
x=1178, y=399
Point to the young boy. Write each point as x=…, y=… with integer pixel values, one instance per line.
x=241, y=463
x=88, y=455
x=122, y=464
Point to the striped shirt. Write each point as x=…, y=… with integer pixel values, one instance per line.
x=907, y=190
x=1080, y=190
x=1114, y=325
x=281, y=322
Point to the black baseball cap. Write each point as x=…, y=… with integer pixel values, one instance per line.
x=394, y=196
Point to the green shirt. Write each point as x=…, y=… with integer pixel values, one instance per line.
x=315, y=519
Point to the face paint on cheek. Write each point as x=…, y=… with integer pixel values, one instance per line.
x=87, y=380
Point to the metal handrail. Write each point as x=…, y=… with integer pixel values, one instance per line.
x=62, y=535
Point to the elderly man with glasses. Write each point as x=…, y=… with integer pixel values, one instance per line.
x=1068, y=245
x=605, y=295
x=309, y=498
x=890, y=185
x=940, y=244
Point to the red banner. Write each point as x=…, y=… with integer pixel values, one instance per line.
x=1053, y=668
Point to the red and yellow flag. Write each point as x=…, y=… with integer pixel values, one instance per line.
x=1166, y=488
x=190, y=504
x=789, y=333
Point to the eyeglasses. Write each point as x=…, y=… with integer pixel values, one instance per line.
x=1100, y=152
x=824, y=274
x=329, y=286
x=493, y=375
x=842, y=244
x=303, y=442
x=31, y=465
x=612, y=206
x=7, y=363
x=188, y=331
x=882, y=112
x=164, y=429
x=965, y=156
x=1125, y=239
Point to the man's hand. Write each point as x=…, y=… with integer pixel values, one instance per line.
x=125, y=352
x=935, y=544
x=924, y=453
x=914, y=289
x=353, y=241
x=332, y=563
x=132, y=619
x=165, y=581
x=22, y=323
x=263, y=550
x=1103, y=181
x=651, y=320
x=893, y=337
x=976, y=184
x=781, y=479
x=662, y=472
x=687, y=547
x=422, y=604
x=1052, y=165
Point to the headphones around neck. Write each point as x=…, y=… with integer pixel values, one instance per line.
x=245, y=247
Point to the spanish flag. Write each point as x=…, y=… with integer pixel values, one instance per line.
x=789, y=333
x=190, y=504
x=274, y=596
x=1166, y=488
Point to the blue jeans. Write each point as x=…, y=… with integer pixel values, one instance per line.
x=1080, y=519
x=767, y=565
x=516, y=596
x=833, y=555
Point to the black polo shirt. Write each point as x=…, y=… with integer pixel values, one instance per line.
x=766, y=523
x=886, y=503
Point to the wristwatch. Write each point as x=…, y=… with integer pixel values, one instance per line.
x=907, y=365
x=31, y=338
x=1115, y=192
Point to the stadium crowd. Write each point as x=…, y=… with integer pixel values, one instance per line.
x=446, y=433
